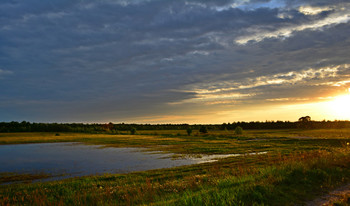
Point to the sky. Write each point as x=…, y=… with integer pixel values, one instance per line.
x=174, y=61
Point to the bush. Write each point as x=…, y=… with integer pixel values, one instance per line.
x=203, y=129
x=133, y=131
x=189, y=131
x=239, y=130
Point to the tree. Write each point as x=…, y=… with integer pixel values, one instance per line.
x=305, y=119
x=189, y=131
x=203, y=129
x=305, y=122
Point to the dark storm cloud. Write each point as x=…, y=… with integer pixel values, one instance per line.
x=113, y=60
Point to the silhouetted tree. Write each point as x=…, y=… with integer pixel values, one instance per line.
x=305, y=119
x=305, y=122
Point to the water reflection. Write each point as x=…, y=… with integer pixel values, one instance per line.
x=76, y=159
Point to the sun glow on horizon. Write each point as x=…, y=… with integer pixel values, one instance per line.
x=340, y=106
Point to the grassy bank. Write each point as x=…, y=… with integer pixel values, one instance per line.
x=298, y=167
x=215, y=142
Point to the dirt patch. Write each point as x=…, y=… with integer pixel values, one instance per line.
x=341, y=194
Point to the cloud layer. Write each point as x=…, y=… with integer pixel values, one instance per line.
x=108, y=60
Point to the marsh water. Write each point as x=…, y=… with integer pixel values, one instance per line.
x=64, y=160
x=75, y=159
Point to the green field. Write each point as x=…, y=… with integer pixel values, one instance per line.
x=299, y=166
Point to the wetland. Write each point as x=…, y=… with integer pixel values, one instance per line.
x=259, y=167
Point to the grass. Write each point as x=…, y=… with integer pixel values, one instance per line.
x=9, y=177
x=295, y=170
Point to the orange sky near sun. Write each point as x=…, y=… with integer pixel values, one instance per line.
x=334, y=108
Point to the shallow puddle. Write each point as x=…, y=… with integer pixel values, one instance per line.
x=76, y=159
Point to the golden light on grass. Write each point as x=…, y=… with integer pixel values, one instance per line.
x=341, y=106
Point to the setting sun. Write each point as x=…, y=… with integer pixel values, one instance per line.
x=340, y=107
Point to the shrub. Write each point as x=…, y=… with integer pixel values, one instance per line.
x=133, y=131
x=203, y=129
x=189, y=131
x=239, y=130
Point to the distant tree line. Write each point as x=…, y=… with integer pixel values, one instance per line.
x=303, y=123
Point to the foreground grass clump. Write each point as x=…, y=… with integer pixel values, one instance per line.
x=269, y=179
